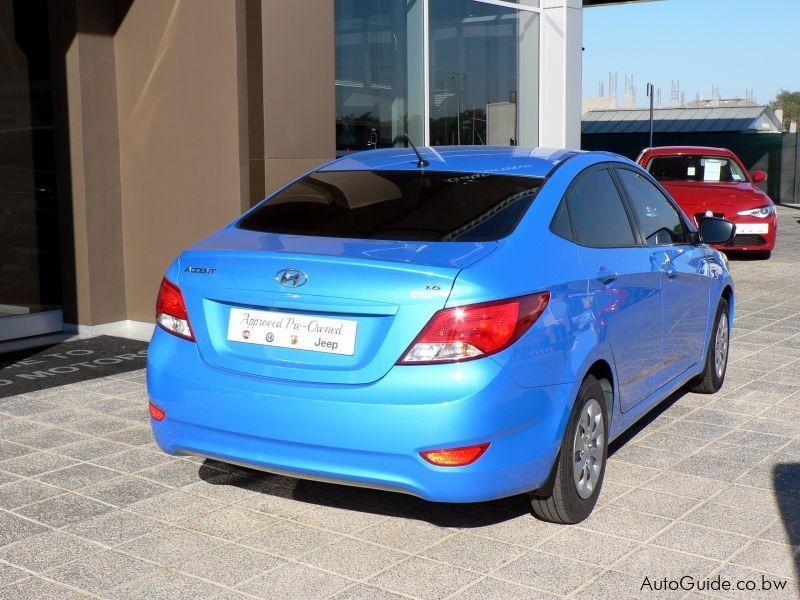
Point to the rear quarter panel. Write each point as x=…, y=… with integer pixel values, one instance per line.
x=565, y=341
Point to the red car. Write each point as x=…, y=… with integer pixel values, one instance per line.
x=713, y=181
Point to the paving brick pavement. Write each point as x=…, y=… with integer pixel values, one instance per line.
x=708, y=486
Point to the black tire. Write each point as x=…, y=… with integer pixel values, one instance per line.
x=565, y=505
x=710, y=381
x=762, y=255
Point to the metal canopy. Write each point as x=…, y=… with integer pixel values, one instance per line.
x=601, y=2
x=681, y=120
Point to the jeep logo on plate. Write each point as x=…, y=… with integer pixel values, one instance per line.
x=291, y=278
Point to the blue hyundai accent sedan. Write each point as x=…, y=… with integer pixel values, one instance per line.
x=460, y=324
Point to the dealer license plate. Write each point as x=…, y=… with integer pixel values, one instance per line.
x=288, y=330
x=752, y=228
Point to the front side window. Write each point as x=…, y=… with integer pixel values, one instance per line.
x=661, y=224
x=598, y=216
x=397, y=205
x=695, y=167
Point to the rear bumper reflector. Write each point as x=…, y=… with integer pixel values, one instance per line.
x=455, y=457
x=156, y=413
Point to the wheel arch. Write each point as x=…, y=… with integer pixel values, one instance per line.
x=602, y=371
x=727, y=293
x=599, y=364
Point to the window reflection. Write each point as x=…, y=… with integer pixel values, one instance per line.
x=379, y=76
x=483, y=74
x=29, y=249
x=483, y=69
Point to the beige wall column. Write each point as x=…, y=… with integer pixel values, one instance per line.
x=180, y=114
x=180, y=102
x=298, y=84
x=88, y=156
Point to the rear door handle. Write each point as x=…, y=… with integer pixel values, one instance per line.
x=606, y=277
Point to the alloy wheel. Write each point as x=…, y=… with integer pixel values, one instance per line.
x=721, y=346
x=588, y=448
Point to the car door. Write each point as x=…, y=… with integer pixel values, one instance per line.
x=624, y=286
x=684, y=278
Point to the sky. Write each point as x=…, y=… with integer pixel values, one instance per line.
x=735, y=44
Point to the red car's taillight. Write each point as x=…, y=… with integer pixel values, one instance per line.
x=171, y=312
x=475, y=330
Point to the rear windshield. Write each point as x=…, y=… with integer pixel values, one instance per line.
x=397, y=205
x=694, y=167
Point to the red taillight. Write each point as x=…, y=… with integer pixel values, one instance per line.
x=474, y=330
x=156, y=413
x=455, y=457
x=171, y=312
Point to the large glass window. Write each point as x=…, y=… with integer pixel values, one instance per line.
x=484, y=72
x=474, y=79
x=30, y=276
x=379, y=73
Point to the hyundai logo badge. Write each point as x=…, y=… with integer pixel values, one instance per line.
x=291, y=278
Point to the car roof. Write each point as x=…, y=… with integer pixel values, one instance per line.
x=512, y=160
x=666, y=150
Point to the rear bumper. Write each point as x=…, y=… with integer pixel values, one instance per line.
x=368, y=435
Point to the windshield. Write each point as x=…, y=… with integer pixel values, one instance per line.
x=397, y=205
x=695, y=167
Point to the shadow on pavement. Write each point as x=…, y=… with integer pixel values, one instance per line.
x=786, y=483
x=11, y=357
x=366, y=500
x=642, y=423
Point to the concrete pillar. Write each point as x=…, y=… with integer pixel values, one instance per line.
x=560, y=108
x=182, y=133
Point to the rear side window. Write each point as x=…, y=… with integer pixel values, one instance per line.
x=660, y=222
x=560, y=223
x=397, y=205
x=598, y=216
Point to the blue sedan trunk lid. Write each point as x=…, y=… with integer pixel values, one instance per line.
x=390, y=289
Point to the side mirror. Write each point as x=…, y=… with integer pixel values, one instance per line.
x=714, y=230
x=759, y=176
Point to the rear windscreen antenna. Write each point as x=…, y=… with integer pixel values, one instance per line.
x=422, y=163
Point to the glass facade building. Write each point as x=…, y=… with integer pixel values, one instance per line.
x=443, y=72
